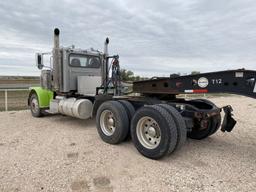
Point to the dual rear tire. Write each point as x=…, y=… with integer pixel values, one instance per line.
x=156, y=130
x=112, y=122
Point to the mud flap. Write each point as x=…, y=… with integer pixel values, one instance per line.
x=228, y=122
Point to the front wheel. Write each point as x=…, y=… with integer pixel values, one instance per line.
x=34, y=106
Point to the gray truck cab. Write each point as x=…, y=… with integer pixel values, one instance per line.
x=81, y=71
x=72, y=69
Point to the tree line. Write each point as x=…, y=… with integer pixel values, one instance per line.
x=127, y=75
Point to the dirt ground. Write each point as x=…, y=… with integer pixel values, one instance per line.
x=59, y=153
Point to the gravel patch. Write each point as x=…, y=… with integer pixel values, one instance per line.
x=59, y=153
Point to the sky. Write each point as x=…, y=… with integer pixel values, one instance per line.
x=152, y=38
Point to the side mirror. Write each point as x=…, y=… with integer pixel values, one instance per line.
x=39, y=60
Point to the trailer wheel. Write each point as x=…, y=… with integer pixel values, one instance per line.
x=153, y=132
x=180, y=124
x=213, y=125
x=216, y=119
x=198, y=133
x=217, y=123
x=34, y=105
x=112, y=122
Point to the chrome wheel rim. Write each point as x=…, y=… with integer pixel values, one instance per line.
x=34, y=105
x=148, y=132
x=107, y=122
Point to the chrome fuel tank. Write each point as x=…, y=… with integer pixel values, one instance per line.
x=79, y=108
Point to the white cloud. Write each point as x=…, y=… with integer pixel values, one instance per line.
x=151, y=37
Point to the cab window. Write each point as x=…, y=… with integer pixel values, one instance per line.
x=86, y=61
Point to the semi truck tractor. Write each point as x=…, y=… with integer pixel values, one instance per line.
x=86, y=83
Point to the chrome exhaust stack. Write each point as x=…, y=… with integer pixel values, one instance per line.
x=105, y=65
x=56, y=60
x=56, y=39
x=106, y=47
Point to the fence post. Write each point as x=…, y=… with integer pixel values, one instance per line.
x=6, y=100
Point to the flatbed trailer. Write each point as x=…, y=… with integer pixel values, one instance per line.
x=78, y=84
x=241, y=82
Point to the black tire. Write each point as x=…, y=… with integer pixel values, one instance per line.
x=180, y=124
x=128, y=107
x=213, y=126
x=34, y=106
x=120, y=119
x=130, y=112
x=167, y=126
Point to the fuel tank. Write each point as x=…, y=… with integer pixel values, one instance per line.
x=79, y=108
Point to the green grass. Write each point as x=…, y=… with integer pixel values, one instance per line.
x=17, y=100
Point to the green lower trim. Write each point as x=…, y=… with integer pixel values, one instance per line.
x=44, y=96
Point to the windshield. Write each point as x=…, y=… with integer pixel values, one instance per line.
x=87, y=61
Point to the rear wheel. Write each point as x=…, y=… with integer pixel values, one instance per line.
x=180, y=124
x=153, y=132
x=34, y=106
x=128, y=107
x=130, y=112
x=112, y=122
x=213, y=124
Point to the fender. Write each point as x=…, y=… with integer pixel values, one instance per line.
x=44, y=96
